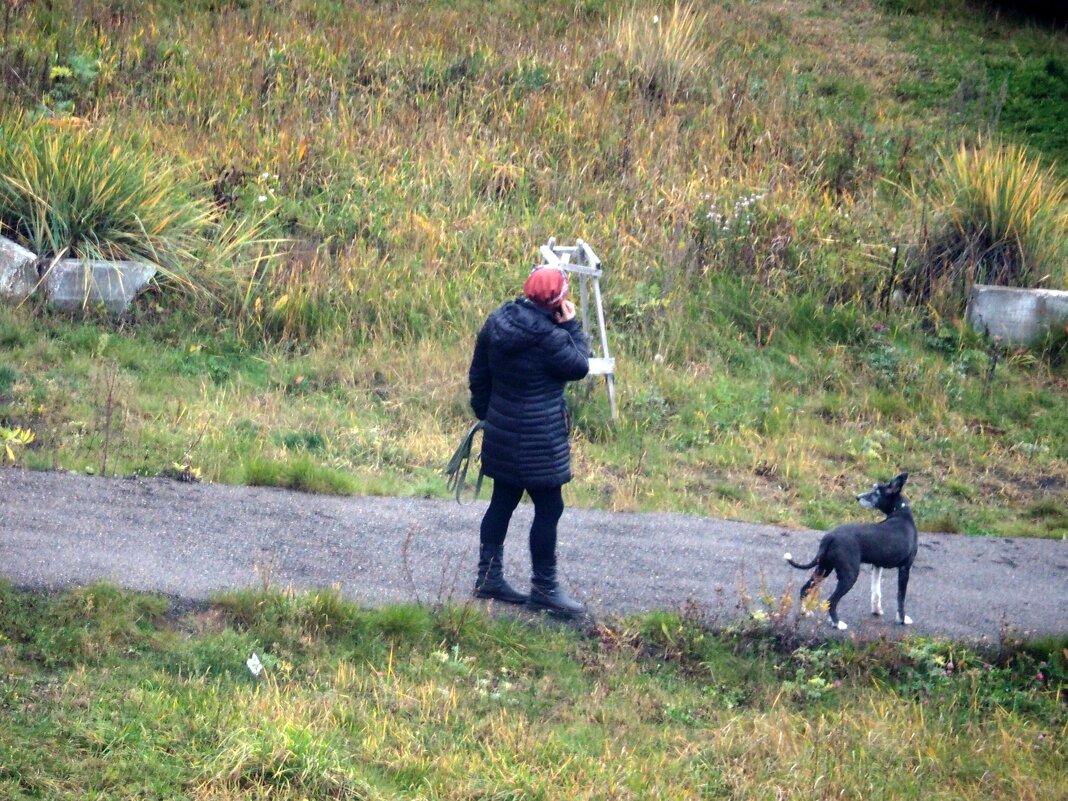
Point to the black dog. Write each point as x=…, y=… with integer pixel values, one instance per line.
x=891, y=543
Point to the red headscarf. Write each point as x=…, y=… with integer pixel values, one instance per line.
x=547, y=286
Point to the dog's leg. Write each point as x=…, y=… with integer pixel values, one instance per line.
x=902, y=586
x=876, y=590
x=847, y=577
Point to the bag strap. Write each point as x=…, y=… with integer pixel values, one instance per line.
x=456, y=469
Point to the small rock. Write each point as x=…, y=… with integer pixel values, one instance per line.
x=18, y=271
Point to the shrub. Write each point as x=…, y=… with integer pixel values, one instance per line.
x=663, y=54
x=82, y=192
x=1002, y=220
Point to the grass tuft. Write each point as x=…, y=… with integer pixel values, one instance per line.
x=662, y=52
x=1003, y=221
x=298, y=473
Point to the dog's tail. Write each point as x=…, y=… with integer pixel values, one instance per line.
x=813, y=563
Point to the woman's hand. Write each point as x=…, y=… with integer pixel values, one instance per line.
x=565, y=313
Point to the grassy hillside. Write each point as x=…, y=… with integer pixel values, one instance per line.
x=359, y=184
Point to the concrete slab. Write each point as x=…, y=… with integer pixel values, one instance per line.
x=1017, y=316
x=73, y=284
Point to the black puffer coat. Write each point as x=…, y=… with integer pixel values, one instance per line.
x=522, y=360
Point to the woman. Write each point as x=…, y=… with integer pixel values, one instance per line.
x=526, y=352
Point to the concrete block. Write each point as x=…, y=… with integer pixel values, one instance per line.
x=18, y=271
x=1017, y=316
x=73, y=284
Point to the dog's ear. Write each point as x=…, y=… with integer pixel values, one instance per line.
x=899, y=482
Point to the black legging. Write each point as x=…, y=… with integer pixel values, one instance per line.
x=548, y=507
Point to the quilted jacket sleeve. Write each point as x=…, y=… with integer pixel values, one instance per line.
x=478, y=377
x=569, y=352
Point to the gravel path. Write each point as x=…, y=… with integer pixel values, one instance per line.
x=192, y=540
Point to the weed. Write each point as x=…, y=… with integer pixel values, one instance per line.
x=14, y=439
x=7, y=378
x=282, y=745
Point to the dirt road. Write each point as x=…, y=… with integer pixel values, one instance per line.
x=192, y=540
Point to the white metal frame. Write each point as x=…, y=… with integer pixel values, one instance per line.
x=583, y=262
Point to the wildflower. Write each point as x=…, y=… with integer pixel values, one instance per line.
x=262, y=198
x=656, y=19
x=837, y=683
x=1041, y=676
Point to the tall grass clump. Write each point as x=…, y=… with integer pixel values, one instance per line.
x=82, y=192
x=1002, y=220
x=663, y=53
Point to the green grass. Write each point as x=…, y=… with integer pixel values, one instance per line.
x=995, y=71
x=299, y=473
x=454, y=703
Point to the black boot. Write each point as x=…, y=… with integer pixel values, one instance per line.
x=545, y=592
x=490, y=583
